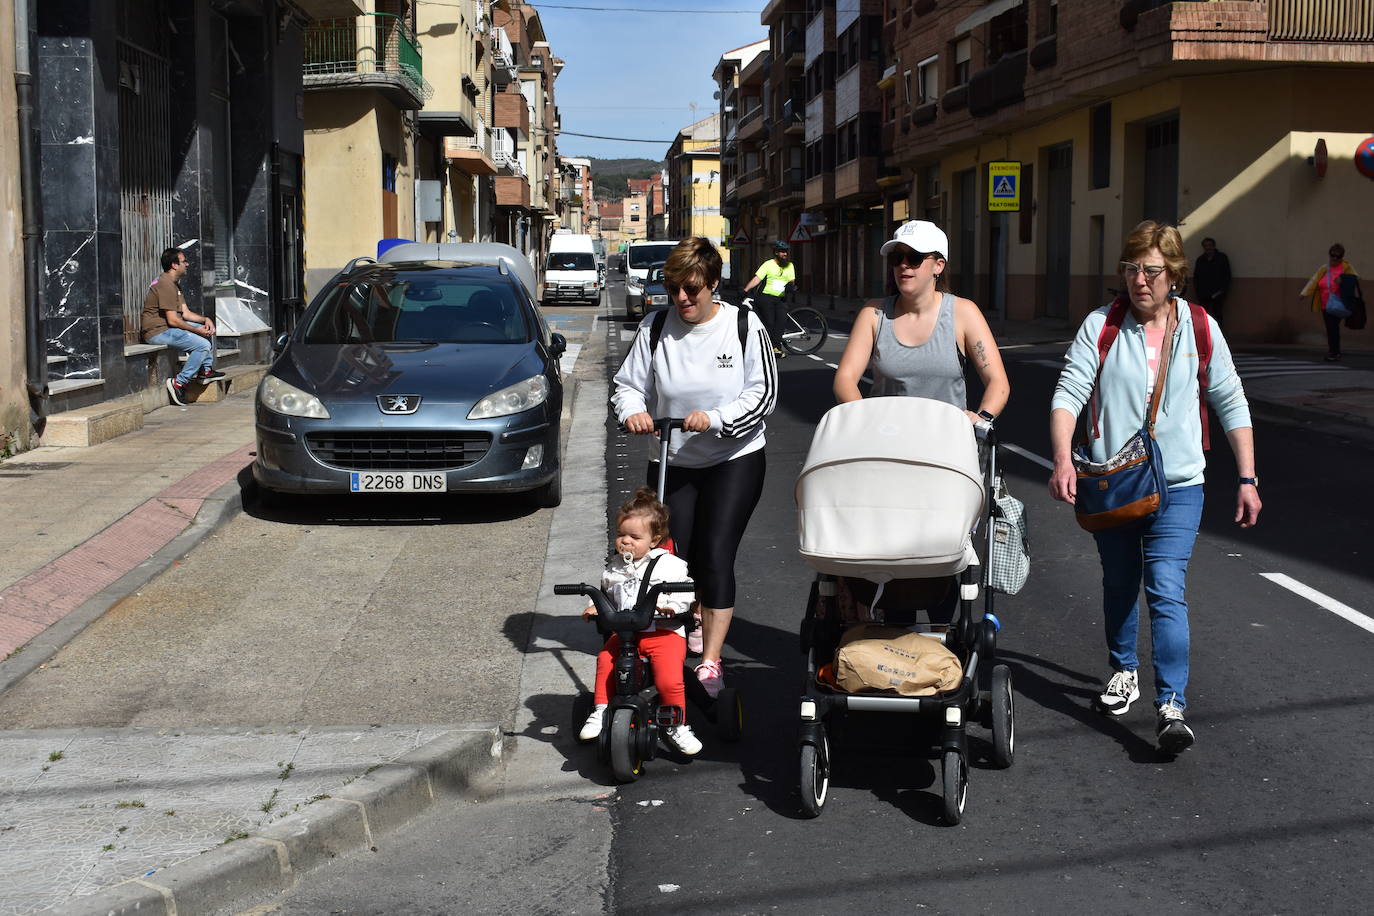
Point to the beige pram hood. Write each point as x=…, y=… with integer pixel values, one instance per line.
x=891, y=489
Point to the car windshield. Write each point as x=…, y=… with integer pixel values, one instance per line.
x=642, y=256
x=656, y=274
x=571, y=260
x=476, y=306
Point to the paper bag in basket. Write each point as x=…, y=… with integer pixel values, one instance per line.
x=874, y=658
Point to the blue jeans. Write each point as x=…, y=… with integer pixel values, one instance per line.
x=196, y=348
x=1158, y=552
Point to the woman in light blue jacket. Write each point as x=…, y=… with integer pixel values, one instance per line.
x=1152, y=268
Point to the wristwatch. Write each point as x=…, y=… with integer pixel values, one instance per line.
x=1252, y=481
x=986, y=416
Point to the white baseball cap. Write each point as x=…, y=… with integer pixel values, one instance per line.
x=919, y=235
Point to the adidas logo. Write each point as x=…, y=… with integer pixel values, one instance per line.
x=725, y=361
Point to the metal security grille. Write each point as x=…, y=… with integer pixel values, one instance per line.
x=145, y=175
x=1321, y=20
x=388, y=450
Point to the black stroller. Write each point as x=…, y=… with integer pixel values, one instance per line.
x=895, y=493
x=634, y=716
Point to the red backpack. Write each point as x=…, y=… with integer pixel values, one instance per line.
x=1202, y=336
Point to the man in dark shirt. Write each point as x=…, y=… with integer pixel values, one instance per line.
x=168, y=321
x=1211, y=279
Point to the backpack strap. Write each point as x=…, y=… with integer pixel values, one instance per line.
x=1202, y=337
x=656, y=328
x=1116, y=314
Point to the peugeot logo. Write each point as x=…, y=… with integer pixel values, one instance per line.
x=398, y=403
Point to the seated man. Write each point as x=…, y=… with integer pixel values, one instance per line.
x=168, y=321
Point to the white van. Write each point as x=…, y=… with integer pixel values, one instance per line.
x=571, y=273
x=641, y=255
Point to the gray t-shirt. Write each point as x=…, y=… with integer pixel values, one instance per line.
x=935, y=369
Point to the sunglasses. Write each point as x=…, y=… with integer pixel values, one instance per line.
x=1129, y=270
x=691, y=289
x=914, y=258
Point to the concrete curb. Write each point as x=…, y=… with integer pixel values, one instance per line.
x=215, y=510
x=349, y=820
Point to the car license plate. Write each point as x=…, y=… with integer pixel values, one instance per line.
x=658, y=300
x=398, y=482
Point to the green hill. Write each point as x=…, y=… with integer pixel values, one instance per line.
x=609, y=175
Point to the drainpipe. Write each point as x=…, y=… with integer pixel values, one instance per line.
x=35, y=347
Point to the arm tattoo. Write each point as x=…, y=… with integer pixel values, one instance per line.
x=980, y=355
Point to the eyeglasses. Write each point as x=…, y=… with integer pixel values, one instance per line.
x=907, y=256
x=1129, y=270
x=691, y=289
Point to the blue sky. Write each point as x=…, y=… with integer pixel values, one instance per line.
x=632, y=74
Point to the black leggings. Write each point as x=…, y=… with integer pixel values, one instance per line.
x=772, y=312
x=710, y=509
x=1333, y=334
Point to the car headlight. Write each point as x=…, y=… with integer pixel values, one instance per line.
x=635, y=284
x=282, y=398
x=532, y=392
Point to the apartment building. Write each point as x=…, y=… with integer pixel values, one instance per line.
x=694, y=184
x=739, y=215
x=656, y=204
x=612, y=217
x=578, y=198
x=146, y=124
x=1208, y=115
x=634, y=222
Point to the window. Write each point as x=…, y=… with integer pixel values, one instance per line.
x=1100, y=146
x=928, y=80
x=388, y=172
x=963, y=50
x=635, y=218
x=847, y=48
x=906, y=89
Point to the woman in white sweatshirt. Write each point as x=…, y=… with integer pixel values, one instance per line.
x=712, y=365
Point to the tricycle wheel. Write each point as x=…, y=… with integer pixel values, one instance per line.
x=815, y=777
x=626, y=761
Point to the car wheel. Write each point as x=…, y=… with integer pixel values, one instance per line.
x=550, y=495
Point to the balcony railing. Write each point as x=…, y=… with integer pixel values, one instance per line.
x=503, y=57
x=1002, y=84
x=375, y=49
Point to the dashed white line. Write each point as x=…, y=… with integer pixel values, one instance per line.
x=1344, y=611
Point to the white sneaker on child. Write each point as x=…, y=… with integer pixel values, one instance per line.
x=684, y=739
x=592, y=727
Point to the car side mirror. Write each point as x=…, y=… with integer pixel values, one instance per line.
x=280, y=344
x=558, y=344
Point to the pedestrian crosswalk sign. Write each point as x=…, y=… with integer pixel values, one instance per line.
x=1004, y=187
x=800, y=233
x=739, y=238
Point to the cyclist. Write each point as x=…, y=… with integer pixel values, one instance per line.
x=776, y=274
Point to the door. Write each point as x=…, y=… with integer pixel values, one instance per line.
x=1058, y=229
x=1161, y=171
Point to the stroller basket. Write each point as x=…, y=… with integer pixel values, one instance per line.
x=891, y=489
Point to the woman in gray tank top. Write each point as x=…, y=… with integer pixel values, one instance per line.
x=917, y=342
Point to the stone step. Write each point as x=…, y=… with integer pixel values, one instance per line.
x=95, y=424
x=236, y=379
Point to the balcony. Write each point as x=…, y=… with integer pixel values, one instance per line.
x=512, y=191
x=458, y=122
x=376, y=51
x=751, y=126
x=752, y=184
x=793, y=119
x=509, y=109
x=471, y=154
x=503, y=67
x=820, y=190
x=995, y=87
x=856, y=177
x=790, y=184
x=794, y=48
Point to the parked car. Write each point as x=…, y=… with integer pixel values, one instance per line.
x=433, y=372
x=571, y=273
x=655, y=294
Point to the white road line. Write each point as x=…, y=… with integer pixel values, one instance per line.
x=569, y=359
x=1316, y=597
x=1029, y=456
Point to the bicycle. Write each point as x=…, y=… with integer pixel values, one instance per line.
x=804, y=329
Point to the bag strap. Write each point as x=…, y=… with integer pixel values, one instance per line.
x=741, y=326
x=644, y=582
x=1202, y=337
x=1111, y=328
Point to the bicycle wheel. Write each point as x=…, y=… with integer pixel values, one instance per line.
x=804, y=330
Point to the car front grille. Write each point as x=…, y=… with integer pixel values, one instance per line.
x=387, y=450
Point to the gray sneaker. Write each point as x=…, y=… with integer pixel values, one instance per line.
x=1122, y=690
x=1172, y=733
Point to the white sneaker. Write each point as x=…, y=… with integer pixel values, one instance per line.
x=684, y=739
x=1122, y=690
x=592, y=727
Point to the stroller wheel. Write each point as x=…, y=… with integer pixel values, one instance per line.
x=815, y=777
x=954, y=770
x=626, y=760
x=729, y=714
x=1003, y=718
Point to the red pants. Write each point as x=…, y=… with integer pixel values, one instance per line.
x=667, y=653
